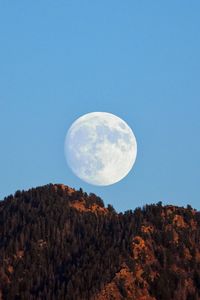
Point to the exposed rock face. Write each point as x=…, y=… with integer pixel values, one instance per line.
x=59, y=243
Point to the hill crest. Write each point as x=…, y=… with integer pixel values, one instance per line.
x=59, y=243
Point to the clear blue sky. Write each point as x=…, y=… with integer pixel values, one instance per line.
x=139, y=60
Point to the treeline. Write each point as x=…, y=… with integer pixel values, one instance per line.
x=50, y=250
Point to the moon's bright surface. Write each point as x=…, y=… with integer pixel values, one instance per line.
x=100, y=148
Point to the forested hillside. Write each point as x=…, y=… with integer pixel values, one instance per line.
x=58, y=243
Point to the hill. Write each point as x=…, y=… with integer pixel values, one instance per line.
x=59, y=243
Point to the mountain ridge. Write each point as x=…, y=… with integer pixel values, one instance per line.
x=59, y=243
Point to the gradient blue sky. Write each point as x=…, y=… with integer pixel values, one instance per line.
x=139, y=60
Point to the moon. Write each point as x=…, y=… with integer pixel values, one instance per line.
x=100, y=148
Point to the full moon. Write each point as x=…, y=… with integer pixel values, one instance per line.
x=100, y=148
